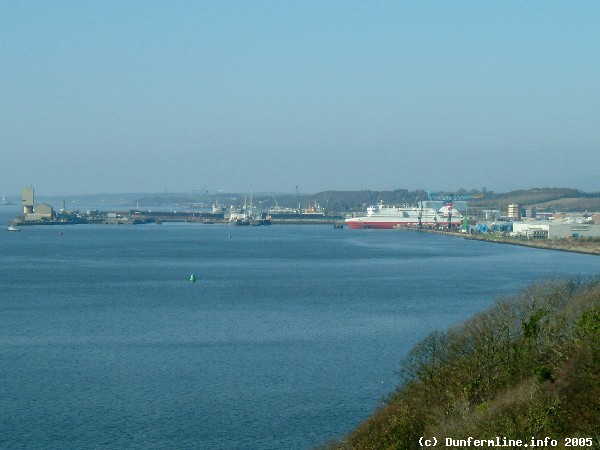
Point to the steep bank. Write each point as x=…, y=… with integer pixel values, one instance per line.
x=527, y=367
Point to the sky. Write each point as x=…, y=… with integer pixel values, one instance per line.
x=175, y=96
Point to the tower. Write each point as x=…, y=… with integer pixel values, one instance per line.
x=514, y=211
x=27, y=200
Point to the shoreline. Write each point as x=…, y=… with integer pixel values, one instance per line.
x=580, y=245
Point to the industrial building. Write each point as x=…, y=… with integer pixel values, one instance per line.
x=32, y=212
x=514, y=212
x=554, y=230
x=27, y=200
x=41, y=212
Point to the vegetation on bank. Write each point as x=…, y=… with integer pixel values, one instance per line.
x=527, y=367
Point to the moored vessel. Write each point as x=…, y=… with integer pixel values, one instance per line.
x=383, y=216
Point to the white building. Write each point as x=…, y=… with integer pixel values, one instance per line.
x=514, y=211
x=554, y=230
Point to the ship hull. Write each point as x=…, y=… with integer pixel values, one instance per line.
x=387, y=217
x=381, y=225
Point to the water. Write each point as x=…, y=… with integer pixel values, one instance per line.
x=291, y=336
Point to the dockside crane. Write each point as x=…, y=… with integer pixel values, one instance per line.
x=298, y=199
x=420, y=210
x=451, y=198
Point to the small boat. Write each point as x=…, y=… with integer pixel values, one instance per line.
x=239, y=222
x=12, y=228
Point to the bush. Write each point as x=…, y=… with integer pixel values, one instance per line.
x=528, y=366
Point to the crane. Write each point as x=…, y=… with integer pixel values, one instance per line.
x=451, y=198
x=442, y=196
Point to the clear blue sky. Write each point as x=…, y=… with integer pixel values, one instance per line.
x=147, y=96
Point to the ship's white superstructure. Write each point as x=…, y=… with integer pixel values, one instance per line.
x=382, y=216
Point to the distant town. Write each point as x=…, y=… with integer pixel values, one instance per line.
x=547, y=213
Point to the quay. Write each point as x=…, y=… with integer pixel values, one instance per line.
x=44, y=214
x=589, y=246
x=131, y=217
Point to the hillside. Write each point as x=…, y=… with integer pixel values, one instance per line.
x=571, y=204
x=551, y=199
x=529, y=366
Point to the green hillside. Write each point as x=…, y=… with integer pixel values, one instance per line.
x=559, y=199
x=527, y=367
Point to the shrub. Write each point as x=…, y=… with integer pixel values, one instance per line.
x=527, y=366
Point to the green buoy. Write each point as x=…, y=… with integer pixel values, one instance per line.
x=193, y=278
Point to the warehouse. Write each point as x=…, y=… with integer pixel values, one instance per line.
x=41, y=212
x=553, y=230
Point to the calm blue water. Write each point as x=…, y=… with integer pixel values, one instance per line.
x=291, y=336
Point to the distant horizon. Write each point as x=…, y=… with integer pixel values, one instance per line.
x=269, y=193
